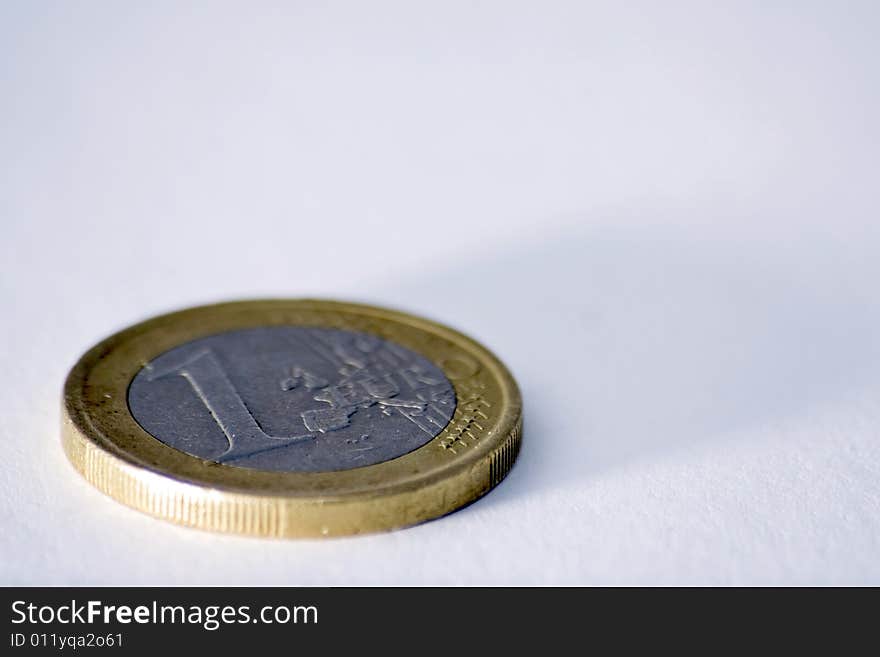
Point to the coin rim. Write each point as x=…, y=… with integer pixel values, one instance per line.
x=113, y=452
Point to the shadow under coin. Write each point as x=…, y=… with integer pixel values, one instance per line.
x=632, y=344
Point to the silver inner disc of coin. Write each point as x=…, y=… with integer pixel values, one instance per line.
x=292, y=399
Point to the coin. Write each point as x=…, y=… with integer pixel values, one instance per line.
x=291, y=418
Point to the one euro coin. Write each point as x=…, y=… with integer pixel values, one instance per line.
x=291, y=418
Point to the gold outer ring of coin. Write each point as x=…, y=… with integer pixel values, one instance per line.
x=470, y=456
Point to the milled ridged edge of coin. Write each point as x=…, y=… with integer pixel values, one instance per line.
x=207, y=509
x=162, y=495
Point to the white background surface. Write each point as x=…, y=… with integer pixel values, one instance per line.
x=662, y=216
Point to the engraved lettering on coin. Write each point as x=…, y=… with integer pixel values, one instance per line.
x=292, y=399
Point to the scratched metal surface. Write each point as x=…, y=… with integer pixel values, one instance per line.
x=292, y=399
